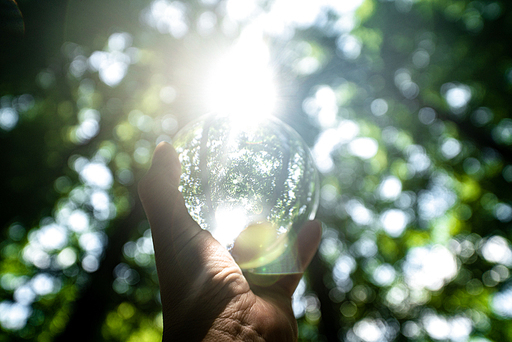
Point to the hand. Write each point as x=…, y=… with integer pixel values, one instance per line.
x=205, y=295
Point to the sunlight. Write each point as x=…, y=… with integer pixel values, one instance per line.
x=429, y=267
x=242, y=81
x=229, y=223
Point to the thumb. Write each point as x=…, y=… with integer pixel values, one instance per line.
x=163, y=203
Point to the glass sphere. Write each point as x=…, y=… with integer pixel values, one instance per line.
x=252, y=184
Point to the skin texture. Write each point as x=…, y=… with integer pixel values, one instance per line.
x=205, y=295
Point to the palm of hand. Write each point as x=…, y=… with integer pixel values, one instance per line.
x=205, y=295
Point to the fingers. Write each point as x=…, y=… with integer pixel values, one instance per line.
x=308, y=240
x=164, y=206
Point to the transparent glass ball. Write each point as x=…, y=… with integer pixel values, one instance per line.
x=252, y=184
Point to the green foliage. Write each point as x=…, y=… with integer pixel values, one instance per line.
x=405, y=105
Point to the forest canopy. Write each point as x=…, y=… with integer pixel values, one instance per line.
x=404, y=104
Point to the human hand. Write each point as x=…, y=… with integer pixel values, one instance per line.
x=205, y=296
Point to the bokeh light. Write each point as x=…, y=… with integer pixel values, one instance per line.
x=403, y=103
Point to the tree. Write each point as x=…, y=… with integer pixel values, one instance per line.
x=404, y=105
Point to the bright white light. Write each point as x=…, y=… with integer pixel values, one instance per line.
x=240, y=10
x=100, y=200
x=92, y=243
x=344, y=6
x=435, y=202
x=359, y=213
x=429, y=267
x=322, y=107
x=417, y=159
x=90, y=263
x=364, y=148
x=502, y=302
x=298, y=300
x=13, y=316
x=437, y=327
x=384, y=275
x=390, y=188
x=145, y=244
x=461, y=327
x=51, y=237
x=242, y=82
x=119, y=41
x=343, y=267
x=206, y=23
x=458, y=96
x=329, y=247
x=66, y=258
x=78, y=221
x=370, y=330
x=230, y=223
x=349, y=46
x=36, y=256
x=284, y=16
x=293, y=13
x=344, y=24
x=326, y=99
x=329, y=139
x=394, y=222
x=397, y=295
x=111, y=66
x=497, y=250
x=89, y=124
x=347, y=130
x=411, y=329
x=97, y=175
x=365, y=247
x=455, y=329
x=328, y=194
x=24, y=295
x=43, y=284
x=167, y=17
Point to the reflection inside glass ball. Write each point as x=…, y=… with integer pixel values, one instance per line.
x=252, y=184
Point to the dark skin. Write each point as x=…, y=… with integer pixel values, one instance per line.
x=205, y=295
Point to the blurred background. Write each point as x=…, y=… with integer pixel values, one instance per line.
x=405, y=105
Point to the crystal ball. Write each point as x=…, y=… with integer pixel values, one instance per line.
x=252, y=183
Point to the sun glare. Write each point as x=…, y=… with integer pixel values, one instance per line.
x=242, y=82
